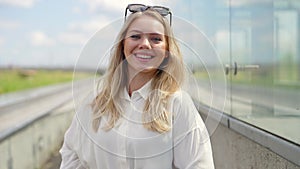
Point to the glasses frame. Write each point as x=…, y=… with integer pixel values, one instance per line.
x=146, y=7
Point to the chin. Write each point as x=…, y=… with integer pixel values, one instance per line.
x=147, y=69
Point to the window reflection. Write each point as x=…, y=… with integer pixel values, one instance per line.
x=263, y=33
x=266, y=33
x=286, y=45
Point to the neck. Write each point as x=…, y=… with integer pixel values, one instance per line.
x=138, y=80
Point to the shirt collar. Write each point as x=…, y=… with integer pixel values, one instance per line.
x=143, y=91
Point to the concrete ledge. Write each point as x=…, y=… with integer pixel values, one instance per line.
x=270, y=142
x=30, y=94
x=17, y=116
x=6, y=133
x=32, y=145
x=31, y=131
x=280, y=146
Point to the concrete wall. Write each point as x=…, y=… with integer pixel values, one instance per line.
x=234, y=151
x=32, y=146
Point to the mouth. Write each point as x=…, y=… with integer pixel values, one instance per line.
x=143, y=57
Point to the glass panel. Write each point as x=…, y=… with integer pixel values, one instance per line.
x=203, y=34
x=211, y=17
x=258, y=43
x=265, y=47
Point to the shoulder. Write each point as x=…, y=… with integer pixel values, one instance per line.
x=83, y=109
x=183, y=108
x=186, y=118
x=182, y=101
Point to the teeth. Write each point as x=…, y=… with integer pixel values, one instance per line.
x=144, y=56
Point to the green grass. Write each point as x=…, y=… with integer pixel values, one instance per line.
x=16, y=80
x=257, y=78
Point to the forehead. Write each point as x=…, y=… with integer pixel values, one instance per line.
x=146, y=24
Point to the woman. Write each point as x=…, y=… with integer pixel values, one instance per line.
x=140, y=118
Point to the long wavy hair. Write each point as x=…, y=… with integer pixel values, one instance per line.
x=168, y=79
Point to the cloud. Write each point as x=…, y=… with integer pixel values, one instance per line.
x=117, y=5
x=89, y=26
x=73, y=38
x=76, y=10
x=2, y=40
x=238, y=3
x=9, y=25
x=19, y=3
x=78, y=33
x=39, y=38
x=105, y=4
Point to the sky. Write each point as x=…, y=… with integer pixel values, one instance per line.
x=44, y=33
x=52, y=33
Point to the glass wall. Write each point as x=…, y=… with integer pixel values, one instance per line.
x=265, y=48
x=258, y=42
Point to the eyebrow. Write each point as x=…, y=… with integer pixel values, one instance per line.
x=140, y=32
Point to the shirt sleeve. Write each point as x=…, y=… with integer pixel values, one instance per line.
x=69, y=156
x=192, y=153
x=192, y=147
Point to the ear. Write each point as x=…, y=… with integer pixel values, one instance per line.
x=167, y=54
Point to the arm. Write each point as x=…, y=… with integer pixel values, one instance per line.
x=194, y=151
x=69, y=156
x=192, y=147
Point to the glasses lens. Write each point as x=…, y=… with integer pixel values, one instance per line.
x=161, y=10
x=136, y=7
x=141, y=8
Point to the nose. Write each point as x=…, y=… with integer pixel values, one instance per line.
x=144, y=43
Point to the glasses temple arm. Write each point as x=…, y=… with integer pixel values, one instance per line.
x=170, y=18
x=125, y=14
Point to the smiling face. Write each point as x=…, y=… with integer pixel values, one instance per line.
x=145, y=45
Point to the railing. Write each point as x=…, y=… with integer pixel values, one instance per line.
x=33, y=123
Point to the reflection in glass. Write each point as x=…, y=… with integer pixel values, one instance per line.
x=262, y=38
x=266, y=33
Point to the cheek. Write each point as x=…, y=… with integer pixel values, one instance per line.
x=164, y=47
x=162, y=50
x=126, y=49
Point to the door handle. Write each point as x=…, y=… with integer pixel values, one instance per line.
x=235, y=67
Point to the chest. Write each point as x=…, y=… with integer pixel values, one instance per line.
x=130, y=138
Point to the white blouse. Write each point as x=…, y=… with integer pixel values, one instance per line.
x=131, y=146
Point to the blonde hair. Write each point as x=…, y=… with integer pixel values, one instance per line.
x=167, y=80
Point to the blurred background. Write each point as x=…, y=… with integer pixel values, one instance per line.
x=243, y=57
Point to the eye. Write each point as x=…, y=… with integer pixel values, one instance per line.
x=136, y=36
x=156, y=39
